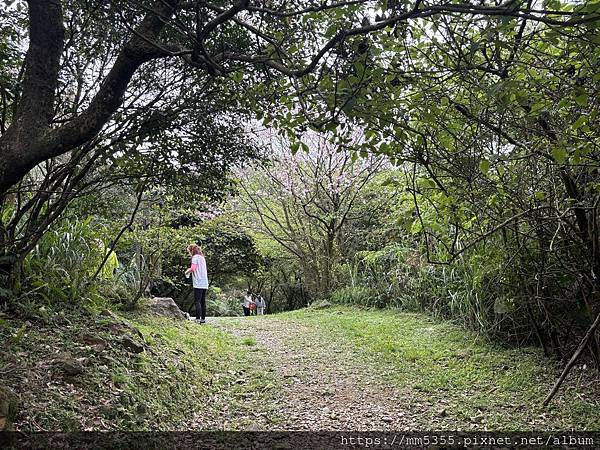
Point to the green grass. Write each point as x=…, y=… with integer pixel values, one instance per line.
x=249, y=341
x=458, y=378
x=452, y=379
x=160, y=389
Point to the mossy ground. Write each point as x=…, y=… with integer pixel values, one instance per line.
x=162, y=388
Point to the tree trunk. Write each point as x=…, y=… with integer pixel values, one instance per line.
x=29, y=140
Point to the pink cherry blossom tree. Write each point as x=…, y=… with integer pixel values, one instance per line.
x=304, y=201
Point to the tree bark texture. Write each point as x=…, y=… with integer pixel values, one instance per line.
x=30, y=139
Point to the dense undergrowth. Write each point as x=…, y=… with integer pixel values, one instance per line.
x=485, y=292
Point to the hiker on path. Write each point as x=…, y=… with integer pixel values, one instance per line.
x=199, y=280
x=246, y=302
x=260, y=305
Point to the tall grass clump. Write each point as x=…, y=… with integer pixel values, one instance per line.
x=468, y=291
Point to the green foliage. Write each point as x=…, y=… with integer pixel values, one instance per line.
x=220, y=302
x=11, y=54
x=476, y=292
x=355, y=295
x=61, y=265
x=61, y=270
x=499, y=167
x=391, y=275
x=249, y=341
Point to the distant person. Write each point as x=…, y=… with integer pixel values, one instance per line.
x=199, y=280
x=246, y=302
x=260, y=305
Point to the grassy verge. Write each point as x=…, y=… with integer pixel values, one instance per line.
x=77, y=372
x=457, y=380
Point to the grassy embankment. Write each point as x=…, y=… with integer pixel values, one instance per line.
x=78, y=373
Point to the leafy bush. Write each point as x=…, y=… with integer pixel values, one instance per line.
x=224, y=303
x=390, y=275
x=468, y=291
x=61, y=269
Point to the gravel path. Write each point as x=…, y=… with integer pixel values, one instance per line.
x=324, y=386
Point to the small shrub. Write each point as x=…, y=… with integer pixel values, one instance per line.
x=224, y=302
x=249, y=341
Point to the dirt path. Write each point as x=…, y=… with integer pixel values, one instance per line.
x=324, y=386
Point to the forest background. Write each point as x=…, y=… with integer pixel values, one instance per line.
x=429, y=156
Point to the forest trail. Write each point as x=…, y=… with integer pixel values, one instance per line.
x=352, y=369
x=338, y=368
x=325, y=386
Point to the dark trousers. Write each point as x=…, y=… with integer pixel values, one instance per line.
x=200, y=298
x=246, y=311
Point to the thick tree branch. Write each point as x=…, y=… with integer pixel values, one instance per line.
x=19, y=157
x=35, y=108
